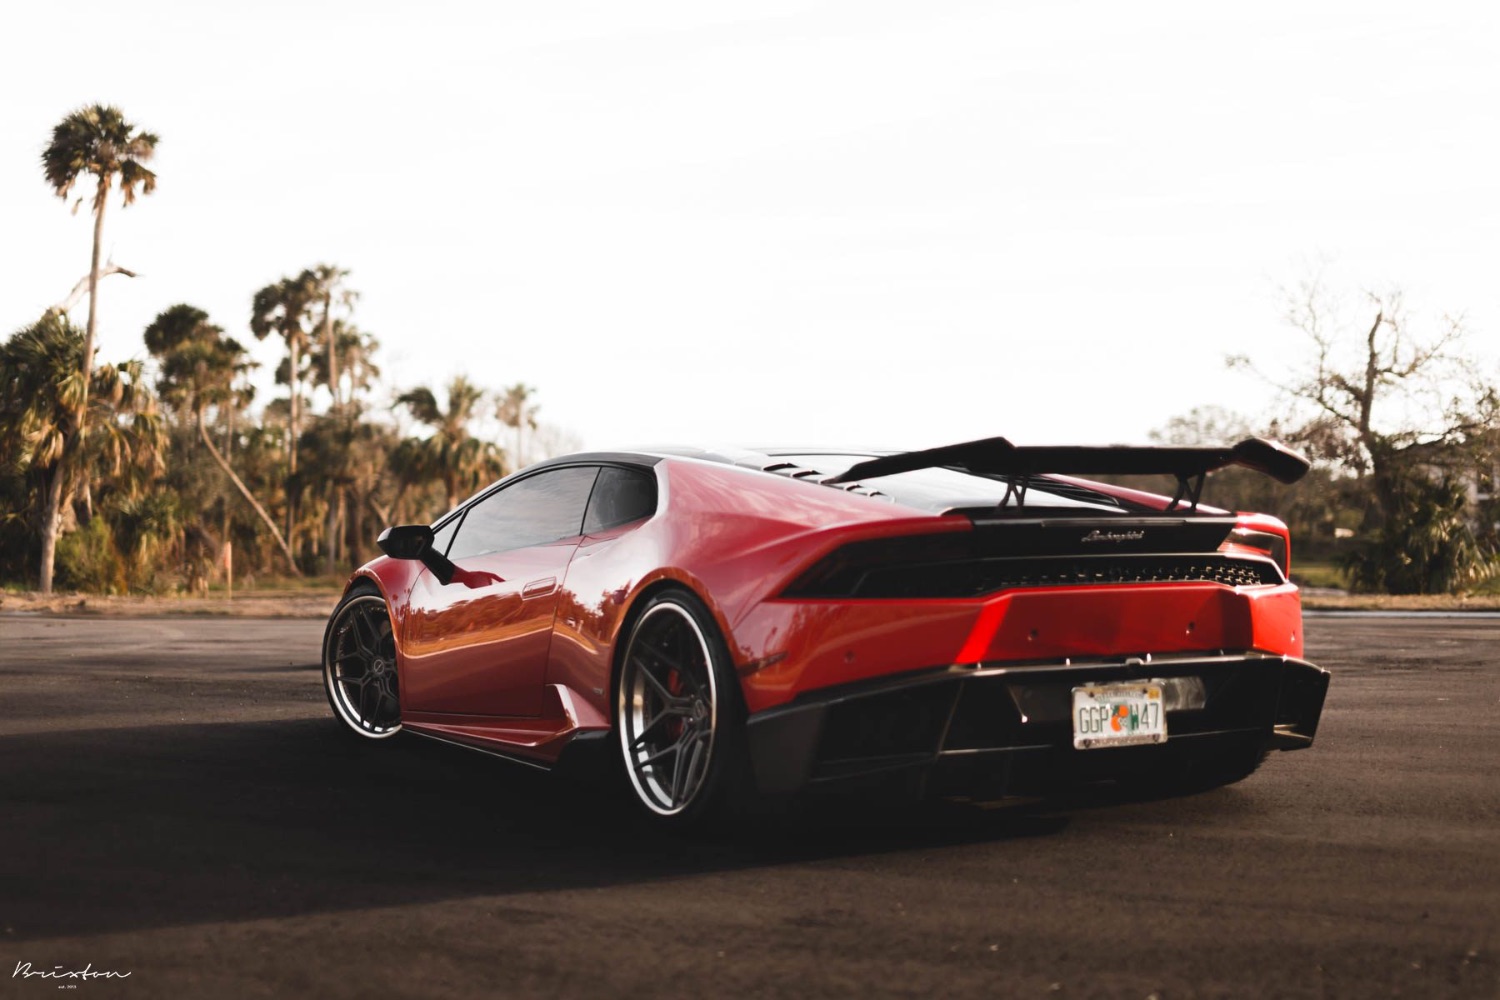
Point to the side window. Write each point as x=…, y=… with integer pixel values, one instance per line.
x=444, y=535
x=537, y=510
x=620, y=496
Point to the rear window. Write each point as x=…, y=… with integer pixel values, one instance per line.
x=620, y=497
x=943, y=489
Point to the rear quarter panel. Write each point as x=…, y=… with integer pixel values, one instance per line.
x=733, y=536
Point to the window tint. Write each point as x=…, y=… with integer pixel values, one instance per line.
x=620, y=496
x=938, y=488
x=444, y=535
x=536, y=510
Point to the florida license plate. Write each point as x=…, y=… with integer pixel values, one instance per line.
x=1118, y=715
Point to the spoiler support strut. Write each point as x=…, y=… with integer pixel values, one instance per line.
x=1191, y=487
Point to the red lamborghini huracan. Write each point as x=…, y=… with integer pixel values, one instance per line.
x=963, y=621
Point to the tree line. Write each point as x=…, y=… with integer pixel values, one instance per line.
x=127, y=476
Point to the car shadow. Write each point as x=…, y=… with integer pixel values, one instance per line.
x=116, y=829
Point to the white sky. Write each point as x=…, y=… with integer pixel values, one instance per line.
x=896, y=224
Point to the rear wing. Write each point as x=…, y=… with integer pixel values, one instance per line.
x=998, y=457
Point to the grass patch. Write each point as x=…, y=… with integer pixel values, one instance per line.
x=1318, y=574
x=291, y=585
x=1489, y=588
x=1402, y=602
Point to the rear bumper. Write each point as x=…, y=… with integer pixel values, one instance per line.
x=1006, y=728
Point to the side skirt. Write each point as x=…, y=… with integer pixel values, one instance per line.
x=539, y=742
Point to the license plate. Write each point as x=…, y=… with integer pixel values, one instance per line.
x=1118, y=715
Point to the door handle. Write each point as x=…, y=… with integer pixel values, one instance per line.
x=539, y=588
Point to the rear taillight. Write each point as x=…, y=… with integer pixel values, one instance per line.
x=1263, y=543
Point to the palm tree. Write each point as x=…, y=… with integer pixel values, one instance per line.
x=452, y=453
x=42, y=399
x=352, y=456
x=513, y=410
x=199, y=367
x=408, y=463
x=327, y=283
x=372, y=448
x=97, y=140
x=282, y=307
x=354, y=368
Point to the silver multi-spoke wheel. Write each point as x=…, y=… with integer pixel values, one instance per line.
x=669, y=708
x=359, y=667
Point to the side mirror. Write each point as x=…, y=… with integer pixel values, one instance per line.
x=414, y=541
x=407, y=541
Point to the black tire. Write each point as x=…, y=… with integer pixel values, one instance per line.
x=679, y=715
x=359, y=666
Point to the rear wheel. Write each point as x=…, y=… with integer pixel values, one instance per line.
x=678, y=713
x=359, y=666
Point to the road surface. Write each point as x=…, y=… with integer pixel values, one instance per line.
x=177, y=804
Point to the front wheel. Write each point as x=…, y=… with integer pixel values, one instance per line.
x=359, y=666
x=678, y=713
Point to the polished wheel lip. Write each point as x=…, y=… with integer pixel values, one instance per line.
x=699, y=722
x=378, y=681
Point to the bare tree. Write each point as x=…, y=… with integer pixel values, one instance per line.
x=1389, y=403
x=81, y=289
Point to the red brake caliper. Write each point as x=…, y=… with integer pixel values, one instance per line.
x=677, y=722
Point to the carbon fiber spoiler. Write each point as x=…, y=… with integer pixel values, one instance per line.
x=998, y=457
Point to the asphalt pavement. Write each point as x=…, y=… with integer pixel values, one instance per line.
x=178, y=808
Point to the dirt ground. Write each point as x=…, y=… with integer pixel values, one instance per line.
x=248, y=604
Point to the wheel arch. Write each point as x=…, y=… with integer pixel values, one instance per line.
x=662, y=581
x=364, y=579
x=360, y=582
x=353, y=716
